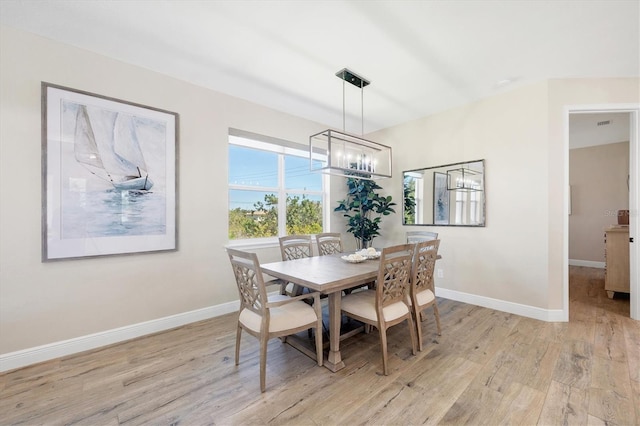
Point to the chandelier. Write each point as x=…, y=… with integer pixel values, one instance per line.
x=464, y=179
x=342, y=154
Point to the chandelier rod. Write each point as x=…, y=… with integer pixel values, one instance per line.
x=343, y=108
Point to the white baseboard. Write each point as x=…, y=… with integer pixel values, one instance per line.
x=548, y=315
x=18, y=359
x=22, y=358
x=587, y=263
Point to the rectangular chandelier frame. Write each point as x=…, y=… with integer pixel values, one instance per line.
x=341, y=154
x=463, y=179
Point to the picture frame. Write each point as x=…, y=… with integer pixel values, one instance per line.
x=440, y=199
x=109, y=176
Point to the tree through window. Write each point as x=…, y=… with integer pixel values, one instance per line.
x=260, y=175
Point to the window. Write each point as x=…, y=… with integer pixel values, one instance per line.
x=413, y=198
x=474, y=211
x=467, y=207
x=261, y=175
x=461, y=202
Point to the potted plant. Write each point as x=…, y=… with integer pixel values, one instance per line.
x=364, y=208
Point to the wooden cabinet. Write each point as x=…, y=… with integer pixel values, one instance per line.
x=616, y=259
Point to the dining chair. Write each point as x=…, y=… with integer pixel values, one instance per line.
x=329, y=243
x=417, y=236
x=387, y=304
x=422, y=289
x=268, y=317
x=294, y=247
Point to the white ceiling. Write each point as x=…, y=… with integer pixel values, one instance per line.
x=591, y=129
x=421, y=57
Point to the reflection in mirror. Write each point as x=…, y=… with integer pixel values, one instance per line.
x=449, y=195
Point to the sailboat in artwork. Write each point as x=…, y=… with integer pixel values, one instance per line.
x=107, y=145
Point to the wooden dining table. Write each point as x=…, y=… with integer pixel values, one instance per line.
x=329, y=275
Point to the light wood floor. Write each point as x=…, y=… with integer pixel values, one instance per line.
x=488, y=367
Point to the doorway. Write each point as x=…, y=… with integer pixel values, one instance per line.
x=632, y=112
x=599, y=157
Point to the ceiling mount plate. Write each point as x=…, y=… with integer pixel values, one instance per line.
x=353, y=78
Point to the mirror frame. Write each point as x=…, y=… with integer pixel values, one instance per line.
x=443, y=168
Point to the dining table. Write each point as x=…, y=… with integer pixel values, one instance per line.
x=330, y=275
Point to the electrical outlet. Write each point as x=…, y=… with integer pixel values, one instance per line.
x=440, y=273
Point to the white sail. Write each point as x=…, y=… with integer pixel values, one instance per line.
x=126, y=145
x=106, y=143
x=85, y=148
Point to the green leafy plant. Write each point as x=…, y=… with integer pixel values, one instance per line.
x=364, y=208
x=304, y=216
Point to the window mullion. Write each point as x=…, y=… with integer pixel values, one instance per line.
x=253, y=188
x=326, y=209
x=247, y=181
x=282, y=198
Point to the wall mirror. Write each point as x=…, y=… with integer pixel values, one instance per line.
x=448, y=195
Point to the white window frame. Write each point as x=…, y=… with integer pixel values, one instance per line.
x=419, y=198
x=461, y=205
x=474, y=205
x=282, y=150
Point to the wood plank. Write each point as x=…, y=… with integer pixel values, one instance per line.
x=635, y=398
x=521, y=405
x=573, y=367
x=612, y=409
x=631, y=330
x=440, y=385
x=564, y=405
x=476, y=402
x=609, y=338
x=536, y=370
x=610, y=396
x=488, y=367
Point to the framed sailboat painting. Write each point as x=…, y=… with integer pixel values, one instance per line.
x=109, y=176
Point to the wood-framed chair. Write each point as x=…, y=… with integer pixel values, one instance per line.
x=417, y=236
x=422, y=291
x=294, y=247
x=387, y=304
x=329, y=243
x=267, y=318
x=414, y=237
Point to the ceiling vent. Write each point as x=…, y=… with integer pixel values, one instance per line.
x=604, y=123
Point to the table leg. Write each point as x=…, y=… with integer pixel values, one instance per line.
x=334, y=360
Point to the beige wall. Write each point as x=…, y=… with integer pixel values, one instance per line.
x=564, y=94
x=598, y=179
x=509, y=132
x=42, y=303
x=517, y=257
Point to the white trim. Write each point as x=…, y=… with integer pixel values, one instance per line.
x=565, y=216
x=548, y=315
x=587, y=263
x=240, y=137
x=634, y=205
x=634, y=200
x=22, y=358
x=257, y=243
